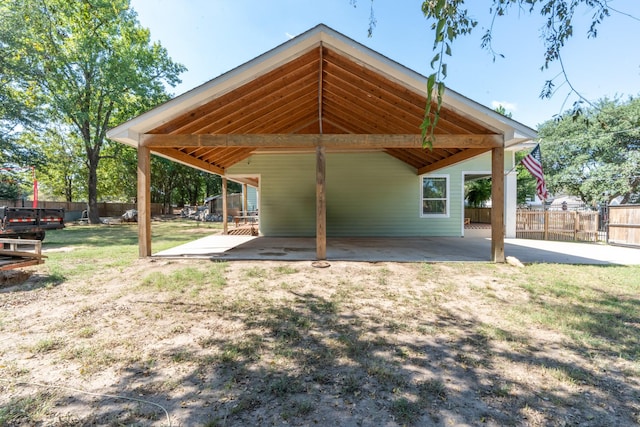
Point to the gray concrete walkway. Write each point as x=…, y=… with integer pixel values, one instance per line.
x=472, y=248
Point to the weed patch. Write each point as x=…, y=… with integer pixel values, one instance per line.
x=188, y=279
x=47, y=345
x=27, y=410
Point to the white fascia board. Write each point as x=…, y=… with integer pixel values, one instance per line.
x=214, y=88
x=124, y=135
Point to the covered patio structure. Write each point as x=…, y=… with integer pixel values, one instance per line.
x=318, y=94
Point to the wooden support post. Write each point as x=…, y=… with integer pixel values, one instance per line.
x=497, y=204
x=321, y=205
x=225, y=222
x=245, y=202
x=144, y=202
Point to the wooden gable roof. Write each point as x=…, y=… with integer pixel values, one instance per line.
x=318, y=88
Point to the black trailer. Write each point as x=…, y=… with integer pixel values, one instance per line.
x=29, y=223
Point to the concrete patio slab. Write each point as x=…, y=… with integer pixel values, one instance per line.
x=206, y=246
x=472, y=248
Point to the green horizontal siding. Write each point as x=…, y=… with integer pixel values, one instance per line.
x=287, y=192
x=368, y=194
x=373, y=194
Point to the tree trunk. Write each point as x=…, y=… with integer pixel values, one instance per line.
x=166, y=202
x=93, y=213
x=68, y=189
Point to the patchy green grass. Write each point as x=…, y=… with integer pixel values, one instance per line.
x=595, y=306
x=405, y=411
x=253, y=343
x=46, y=345
x=84, y=250
x=90, y=358
x=256, y=273
x=189, y=279
x=301, y=408
x=28, y=410
x=431, y=389
x=285, y=269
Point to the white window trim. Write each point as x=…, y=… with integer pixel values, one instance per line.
x=448, y=196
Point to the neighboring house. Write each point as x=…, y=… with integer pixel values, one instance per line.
x=328, y=131
x=567, y=202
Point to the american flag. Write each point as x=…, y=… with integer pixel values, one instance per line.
x=533, y=163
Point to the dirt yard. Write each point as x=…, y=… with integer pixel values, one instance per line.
x=199, y=343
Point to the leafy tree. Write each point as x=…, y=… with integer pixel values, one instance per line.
x=57, y=153
x=500, y=109
x=117, y=175
x=595, y=156
x=165, y=176
x=16, y=182
x=9, y=186
x=16, y=110
x=451, y=19
x=193, y=186
x=478, y=192
x=88, y=64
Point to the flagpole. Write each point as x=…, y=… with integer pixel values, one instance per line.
x=515, y=166
x=512, y=169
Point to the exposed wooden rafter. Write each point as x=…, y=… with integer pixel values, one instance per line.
x=322, y=97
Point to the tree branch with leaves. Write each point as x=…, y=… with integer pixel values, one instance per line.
x=451, y=19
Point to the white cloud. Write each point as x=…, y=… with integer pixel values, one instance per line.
x=289, y=36
x=509, y=106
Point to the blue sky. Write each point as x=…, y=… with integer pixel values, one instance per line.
x=211, y=37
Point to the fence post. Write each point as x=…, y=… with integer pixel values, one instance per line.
x=546, y=224
x=576, y=225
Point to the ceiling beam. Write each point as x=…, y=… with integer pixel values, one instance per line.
x=462, y=141
x=180, y=157
x=451, y=160
x=254, y=182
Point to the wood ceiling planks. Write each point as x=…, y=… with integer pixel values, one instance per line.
x=355, y=99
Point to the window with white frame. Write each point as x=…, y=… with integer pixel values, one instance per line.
x=435, y=196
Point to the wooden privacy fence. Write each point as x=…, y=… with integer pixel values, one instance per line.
x=105, y=209
x=557, y=225
x=67, y=206
x=479, y=215
x=624, y=225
